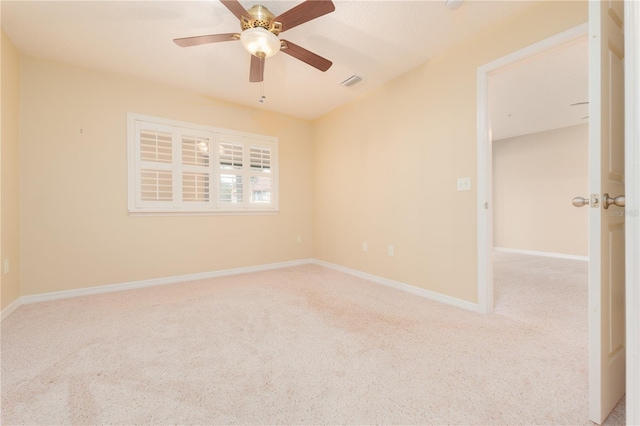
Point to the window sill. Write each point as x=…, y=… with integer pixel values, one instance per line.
x=205, y=213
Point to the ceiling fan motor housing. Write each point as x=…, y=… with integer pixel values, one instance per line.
x=261, y=17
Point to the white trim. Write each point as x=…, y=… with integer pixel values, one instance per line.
x=484, y=149
x=206, y=213
x=543, y=253
x=11, y=308
x=417, y=291
x=632, y=221
x=88, y=291
x=485, y=196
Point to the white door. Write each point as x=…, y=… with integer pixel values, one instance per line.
x=606, y=225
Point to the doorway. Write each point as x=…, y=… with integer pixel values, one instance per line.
x=598, y=65
x=486, y=212
x=540, y=140
x=632, y=230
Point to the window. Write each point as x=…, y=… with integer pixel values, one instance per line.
x=182, y=168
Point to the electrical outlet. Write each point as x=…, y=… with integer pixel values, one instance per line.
x=5, y=267
x=365, y=247
x=391, y=251
x=299, y=238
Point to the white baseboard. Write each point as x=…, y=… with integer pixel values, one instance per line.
x=87, y=291
x=9, y=309
x=543, y=253
x=427, y=294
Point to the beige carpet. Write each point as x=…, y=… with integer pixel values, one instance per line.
x=304, y=345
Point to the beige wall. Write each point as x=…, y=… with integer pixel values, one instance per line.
x=9, y=175
x=381, y=170
x=75, y=228
x=534, y=179
x=386, y=165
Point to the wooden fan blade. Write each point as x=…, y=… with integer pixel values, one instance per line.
x=304, y=12
x=306, y=56
x=205, y=39
x=256, y=73
x=236, y=8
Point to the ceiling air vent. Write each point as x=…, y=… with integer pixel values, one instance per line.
x=354, y=79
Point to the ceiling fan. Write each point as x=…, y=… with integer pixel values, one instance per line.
x=260, y=30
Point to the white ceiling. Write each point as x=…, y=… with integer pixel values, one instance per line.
x=378, y=40
x=536, y=95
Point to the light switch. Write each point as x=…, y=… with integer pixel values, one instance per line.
x=464, y=184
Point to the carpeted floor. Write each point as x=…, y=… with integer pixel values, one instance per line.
x=303, y=345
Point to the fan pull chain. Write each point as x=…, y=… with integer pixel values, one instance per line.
x=262, y=96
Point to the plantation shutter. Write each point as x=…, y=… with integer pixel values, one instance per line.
x=231, y=164
x=178, y=168
x=196, y=168
x=155, y=175
x=260, y=170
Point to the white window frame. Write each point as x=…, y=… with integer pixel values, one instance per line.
x=214, y=205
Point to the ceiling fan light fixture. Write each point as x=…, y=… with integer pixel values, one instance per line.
x=260, y=42
x=453, y=4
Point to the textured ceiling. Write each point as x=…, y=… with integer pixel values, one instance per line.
x=377, y=40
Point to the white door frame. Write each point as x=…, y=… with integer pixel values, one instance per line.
x=632, y=177
x=485, y=177
x=632, y=192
